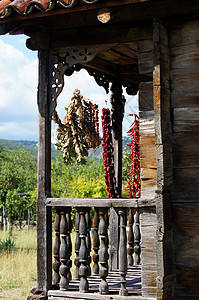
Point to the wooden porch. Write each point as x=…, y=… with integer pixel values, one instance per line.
x=94, y=277
x=133, y=284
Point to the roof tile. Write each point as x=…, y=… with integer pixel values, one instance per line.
x=24, y=7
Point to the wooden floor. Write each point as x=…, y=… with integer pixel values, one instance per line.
x=133, y=286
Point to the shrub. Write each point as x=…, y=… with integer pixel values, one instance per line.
x=7, y=245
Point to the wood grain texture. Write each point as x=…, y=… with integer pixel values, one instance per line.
x=186, y=244
x=148, y=222
x=145, y=96
x=147, y=199
x=44, y=219
x=163, y=133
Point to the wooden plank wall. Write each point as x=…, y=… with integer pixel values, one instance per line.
x=184, y=53
x=148, y=181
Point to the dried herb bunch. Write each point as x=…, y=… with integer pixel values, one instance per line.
x=79, y=130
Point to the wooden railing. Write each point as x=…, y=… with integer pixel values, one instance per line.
x=100, y=243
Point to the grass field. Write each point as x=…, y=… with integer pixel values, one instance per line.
x=18, y=268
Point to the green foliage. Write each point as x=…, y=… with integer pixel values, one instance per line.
x=17, y=171
x=78, y=180
x=7, y=244
x=126, y=162
x=17, y=179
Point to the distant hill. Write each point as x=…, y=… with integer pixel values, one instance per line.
x=32, y=147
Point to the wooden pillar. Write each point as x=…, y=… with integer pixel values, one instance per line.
x=44, y=218
x=163, y=139
x=117, y=102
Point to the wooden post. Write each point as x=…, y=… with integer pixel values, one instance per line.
x=44, y=218
x=163, y=138
x=117, y=102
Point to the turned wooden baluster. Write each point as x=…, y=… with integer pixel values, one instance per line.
x=56, y=264
x=96, y=243
x=107, y=225
x=83, y=253
x=103, y=253
x=64, y=249
x=69, y=242
x=137, y=248
x=88, y=238
x=130, y=249
x=77, y=246
x=123, y=253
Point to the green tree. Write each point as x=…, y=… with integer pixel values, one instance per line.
x=17, y=175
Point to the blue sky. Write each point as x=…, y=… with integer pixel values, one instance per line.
x=18, y=91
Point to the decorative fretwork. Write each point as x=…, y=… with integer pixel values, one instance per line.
x=131, y=88
x=123, y=253
x=137, y=248
x=96, y=243
x=101, y=79
x=103, y=253
x=130, y=249
x=73, y=61
x=59, y=66
x=57, y=81
x=56, y=264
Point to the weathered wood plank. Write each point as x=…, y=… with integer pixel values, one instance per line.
x=185, y=149
x=147, y=129
x=186, y=127
x=186, y=179
x=190, y=114
x=145, y=62
x=146, y=96
x=44, y=219
x=184, y=81
x=161, y=95
x=98, y=35
x=147, y=200
x=184, y=33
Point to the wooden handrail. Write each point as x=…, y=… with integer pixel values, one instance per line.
x=101, y=202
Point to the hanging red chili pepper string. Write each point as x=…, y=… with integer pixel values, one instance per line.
x=134, y=182
x=108, y=154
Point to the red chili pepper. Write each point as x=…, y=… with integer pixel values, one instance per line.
x=108, y=154
x=134, y=181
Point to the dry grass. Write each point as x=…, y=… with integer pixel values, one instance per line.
x=18, y=268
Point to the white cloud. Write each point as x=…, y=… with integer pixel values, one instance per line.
x=18, y=93
x=18, y=88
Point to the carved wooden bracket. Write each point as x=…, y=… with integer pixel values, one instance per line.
x=74, y=60
x=59, y=67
